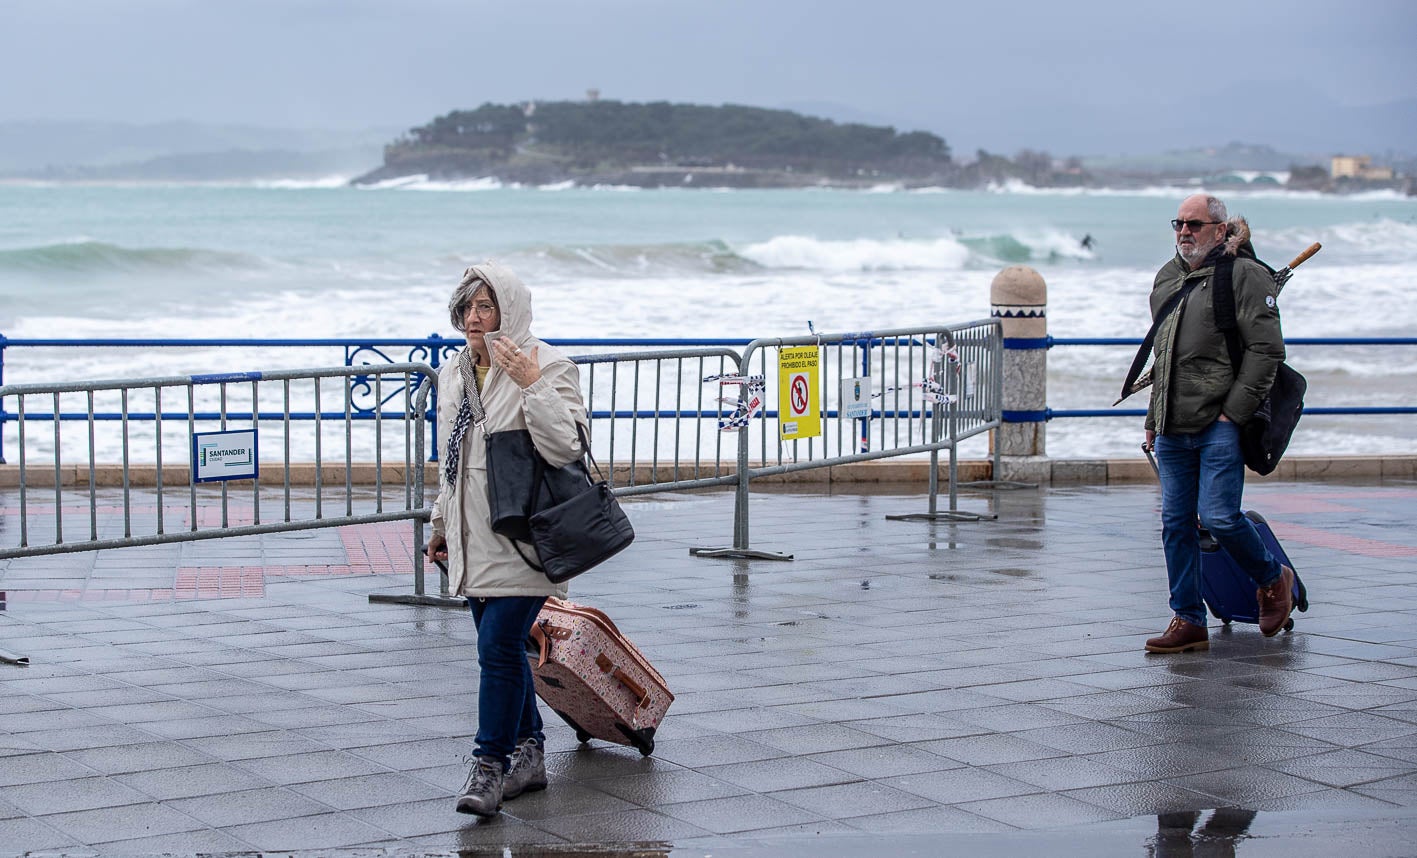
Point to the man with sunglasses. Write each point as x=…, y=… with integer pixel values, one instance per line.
x=1198, y=402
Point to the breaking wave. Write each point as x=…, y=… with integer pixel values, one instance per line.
x=711, y=257
x=1381, y=240
x=84, y=255
x=860, y=254
x=951, y=253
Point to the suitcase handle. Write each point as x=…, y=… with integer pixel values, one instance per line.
x=543, y=641
x=607, y=666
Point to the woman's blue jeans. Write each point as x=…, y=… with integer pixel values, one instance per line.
x=1204, y=474
x=506, y=695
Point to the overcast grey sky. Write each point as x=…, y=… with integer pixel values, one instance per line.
x=1080, y=77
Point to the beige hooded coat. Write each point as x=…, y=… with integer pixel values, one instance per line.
x=482, y=563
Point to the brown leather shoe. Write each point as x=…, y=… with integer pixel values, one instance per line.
x=1180, y=636
x=1276, y=602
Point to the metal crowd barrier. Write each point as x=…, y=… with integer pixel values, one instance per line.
x=654, y=421
x=369, y=398
x=937, y=386
x=660, y=421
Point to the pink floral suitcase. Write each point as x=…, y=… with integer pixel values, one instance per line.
x=594, y=678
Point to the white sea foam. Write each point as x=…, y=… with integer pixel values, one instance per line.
x=302, y=184
x=1053, y=244
x=1381, y=239
x=486, y=183
x=396, y=182
x=1019, y=186
x=1194, y=186
x=800, y=251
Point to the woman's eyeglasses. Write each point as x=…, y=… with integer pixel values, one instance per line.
x=483, y=309
x=1177, y=223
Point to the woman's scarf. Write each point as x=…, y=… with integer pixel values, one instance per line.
x=469, y=412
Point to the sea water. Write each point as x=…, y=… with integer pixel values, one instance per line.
x=315, y=260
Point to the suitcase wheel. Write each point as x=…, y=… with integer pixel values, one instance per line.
x=1289, y=624
x=641, y=740
x=582, y=736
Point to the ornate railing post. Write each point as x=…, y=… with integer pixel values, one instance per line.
x=1019, y=300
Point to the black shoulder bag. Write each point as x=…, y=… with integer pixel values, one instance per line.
x=574, y=523
x=1265, y=436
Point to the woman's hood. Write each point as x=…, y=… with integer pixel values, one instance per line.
x=513, y=299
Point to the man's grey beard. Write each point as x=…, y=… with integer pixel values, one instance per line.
x=1193, y=253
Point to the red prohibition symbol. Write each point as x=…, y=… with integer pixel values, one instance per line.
x=799, y=394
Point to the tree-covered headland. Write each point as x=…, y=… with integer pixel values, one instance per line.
x=659, y=143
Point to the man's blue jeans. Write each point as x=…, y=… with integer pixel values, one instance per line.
x=1204, y=474
x=506, y=695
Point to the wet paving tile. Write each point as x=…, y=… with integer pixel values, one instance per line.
x=771, y=775
x=1039, y=811
x=102, y=824
x=60, y=796
x=415, y=819
x=325, y=831
x=247, y=806
x=625, y=827
x=740, y=813
x=36, y=835
x=669, y=787
x=1239, y=785
x=40, y=767
x=313, y=766
x=945, y=696
x=989, y=749
x=960, y=785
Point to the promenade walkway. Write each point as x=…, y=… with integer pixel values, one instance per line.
x=899, y=688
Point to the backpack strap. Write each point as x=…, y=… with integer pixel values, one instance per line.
x=1222, y=301
x=1139, y=362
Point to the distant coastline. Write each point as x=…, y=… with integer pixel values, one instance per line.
x=661, y=145
x=607, y=144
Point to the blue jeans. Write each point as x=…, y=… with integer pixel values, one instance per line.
x=1204, y=474
x=506, y=695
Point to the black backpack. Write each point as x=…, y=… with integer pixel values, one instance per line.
x=1265, y=437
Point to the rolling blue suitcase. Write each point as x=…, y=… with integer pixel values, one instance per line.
x=1228, y=591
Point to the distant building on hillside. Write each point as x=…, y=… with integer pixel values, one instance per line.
x=1358, y=167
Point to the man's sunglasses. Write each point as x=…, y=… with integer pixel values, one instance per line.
x=1193, y=224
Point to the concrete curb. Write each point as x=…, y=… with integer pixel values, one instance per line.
x=1056, y=471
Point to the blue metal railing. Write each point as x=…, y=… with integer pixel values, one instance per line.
x=432, y=349
x=372, y=352
x=1059, y=413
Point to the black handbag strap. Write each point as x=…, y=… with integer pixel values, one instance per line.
x=539, y=469
x=527, y=560
x=539, y=477
x=1139, y=362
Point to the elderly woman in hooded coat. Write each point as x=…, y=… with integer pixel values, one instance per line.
x=504, y=379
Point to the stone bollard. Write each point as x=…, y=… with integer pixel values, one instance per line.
x=1019, y=300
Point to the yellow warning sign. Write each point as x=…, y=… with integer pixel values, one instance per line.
x=798, y=411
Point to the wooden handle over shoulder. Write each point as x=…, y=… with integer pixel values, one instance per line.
x=1303, y=257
